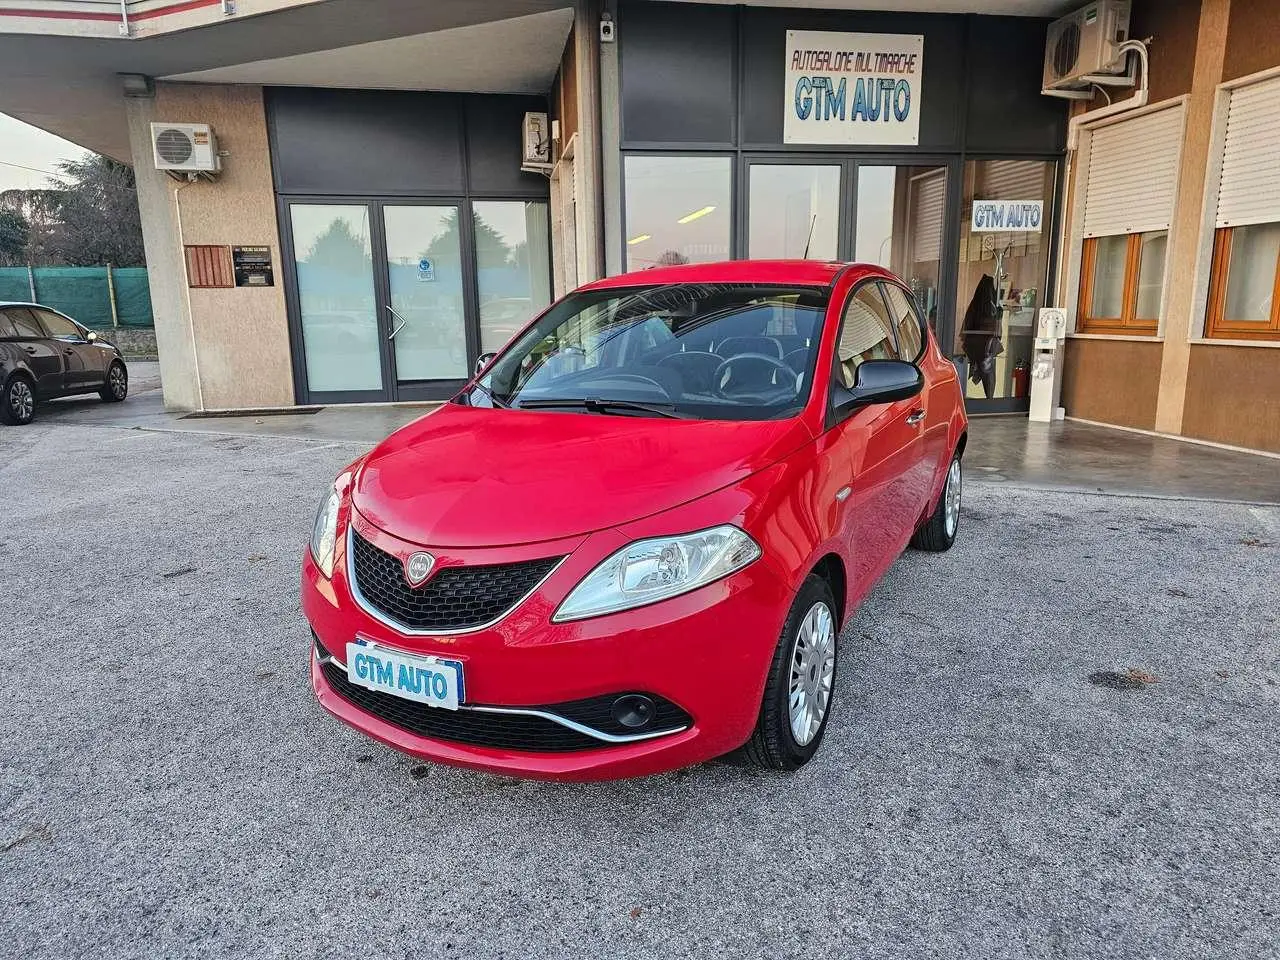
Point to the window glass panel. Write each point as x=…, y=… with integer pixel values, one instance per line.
x=514, y=256
x=910, y=335
x=1154, y=247
x=58, y=325
x=678, y=210
x=335, y=294
x=866, y=333
x=1107, y=301
x=6, y=326
x=794, y=211
x=1001, y=275
x=1251, y=276
x=24, y=322
x=424, y=266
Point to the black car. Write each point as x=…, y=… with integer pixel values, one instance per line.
x=46, y=354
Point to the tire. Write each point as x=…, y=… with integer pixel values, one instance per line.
x=117, y=387
x=774, y=744
x=17, y=402
x=939, y=531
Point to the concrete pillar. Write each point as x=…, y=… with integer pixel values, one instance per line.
x=1184, y=250
x=166, y=271
x=586, y=158
x=610, y=151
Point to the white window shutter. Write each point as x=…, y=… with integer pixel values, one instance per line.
x=1133, y=174
x=929, y=195
x=1013, y=180
x=1250, y=185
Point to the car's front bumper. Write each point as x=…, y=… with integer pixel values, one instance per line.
x=706, y=652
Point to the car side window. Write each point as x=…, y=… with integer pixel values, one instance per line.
x=59, y=327
x=25, y=323
x=7, y=329
x=866, y=333
x=907, y=319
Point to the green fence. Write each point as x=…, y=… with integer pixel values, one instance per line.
x=84, y=293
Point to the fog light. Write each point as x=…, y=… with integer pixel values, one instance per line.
x=633, y=711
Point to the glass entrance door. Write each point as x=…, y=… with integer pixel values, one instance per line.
x=426, y=308
x=390, y=299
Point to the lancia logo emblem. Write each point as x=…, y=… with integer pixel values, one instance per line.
x=418, y=567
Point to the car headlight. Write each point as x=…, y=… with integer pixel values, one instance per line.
x=650, y=570
x=324, y=532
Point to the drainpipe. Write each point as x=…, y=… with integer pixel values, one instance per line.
x=124, y=18
x=1136, y=102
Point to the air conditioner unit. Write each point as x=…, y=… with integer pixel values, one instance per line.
x=185, y=146
x=1086, y=44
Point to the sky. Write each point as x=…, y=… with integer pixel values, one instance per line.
x=22, y=145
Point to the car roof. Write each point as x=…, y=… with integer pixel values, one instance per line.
x=786, y=272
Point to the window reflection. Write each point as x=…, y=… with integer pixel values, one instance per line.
x=424, y=261
x=335, y=296
x=678, y=210
x=794, y=211
x=514, y=258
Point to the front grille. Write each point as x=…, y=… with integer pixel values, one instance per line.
x=512, y=731
x=455, y=598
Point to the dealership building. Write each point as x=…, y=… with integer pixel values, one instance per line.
x=350, y=201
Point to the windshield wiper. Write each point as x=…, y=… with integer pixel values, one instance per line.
x=602, y=405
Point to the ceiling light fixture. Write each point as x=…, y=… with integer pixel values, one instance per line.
x=689, y=218
x=639, y=239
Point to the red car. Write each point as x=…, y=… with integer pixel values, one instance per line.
x=630, y=544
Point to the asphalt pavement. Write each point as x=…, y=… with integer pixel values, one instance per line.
x=1060, y=739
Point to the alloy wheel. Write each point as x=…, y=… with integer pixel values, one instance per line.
x=813, y=666
x=119, y=383
x=952, y=498
x=21, y=401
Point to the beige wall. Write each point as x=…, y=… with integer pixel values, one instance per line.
x=1178, y=384
x=231, y=349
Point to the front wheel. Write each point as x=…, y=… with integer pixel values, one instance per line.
x=117, y=386
x=17, y=402
x=939, y=531
x=801, y=683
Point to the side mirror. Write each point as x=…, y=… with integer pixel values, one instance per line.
x=879, y=381
x=484, y=360
x=91, y=336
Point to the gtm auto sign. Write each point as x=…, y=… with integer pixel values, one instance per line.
x=860, y=88
x=1006, y=216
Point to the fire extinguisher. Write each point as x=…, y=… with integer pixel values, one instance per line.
x=1021, y=374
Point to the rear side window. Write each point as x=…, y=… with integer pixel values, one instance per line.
x=24, y=322
x=6, y=327
x=910, y=331
x=58, y=325
x=866, y=333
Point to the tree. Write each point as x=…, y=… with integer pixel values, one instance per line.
x=98, y=220
x=40, y=209
x=13, y=238
x=338, y=249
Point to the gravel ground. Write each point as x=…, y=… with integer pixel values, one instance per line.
x=168, y=786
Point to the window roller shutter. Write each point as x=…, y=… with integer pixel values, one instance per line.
x=1013, y=180
x=929, y=196
x=1133, y=174
x=1250, y=186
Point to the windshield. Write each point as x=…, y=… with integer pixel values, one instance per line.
x=720, y=351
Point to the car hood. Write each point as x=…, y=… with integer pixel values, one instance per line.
x=471, y=477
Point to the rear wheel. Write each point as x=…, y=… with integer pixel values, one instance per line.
x=117, y=387
x=17, y=402
x=939, y=531
x=801, y=683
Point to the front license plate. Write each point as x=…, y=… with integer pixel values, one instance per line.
x=429, y=680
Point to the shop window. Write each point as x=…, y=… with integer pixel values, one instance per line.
x=513, y=254
x=1243, y=301
x=1006, y=213
x=793, y=211
x=1121, y=278
x=678, y=210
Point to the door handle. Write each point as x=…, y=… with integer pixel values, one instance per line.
x=67, y=350
x=916, y=417
x=399, y=326
x=30, y=350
